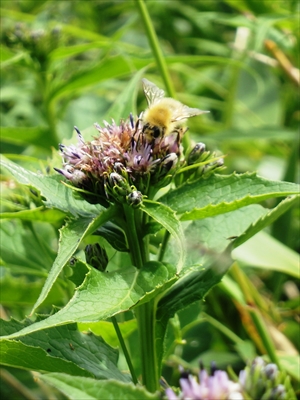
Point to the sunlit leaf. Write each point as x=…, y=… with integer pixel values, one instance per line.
x=166, y=217
x=60, y=349
x=103, y=295
x=71, y=236
x=91, y=389
x=57, y=195
x=220, y=194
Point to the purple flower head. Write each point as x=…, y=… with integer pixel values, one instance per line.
x=207, y=387
x=119, y=164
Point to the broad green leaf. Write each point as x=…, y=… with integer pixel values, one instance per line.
x=263, y=251
x=103, y=295
x=17, y=15
x=107, y=331
x=110, y=67
x=5, y=53
x=207, y=238
x=70, y=349
x=71, y=236
x=290, y=362
x=91, y=389
x=266, y=220
x=9, y=59
x=19, y=355
x=26, y=250
x=71, y=51
x=167, y=218
x=207, y=246
x=37, y=214
x=37, y=135
x=126, y=101
x=18, y=291
x=57, y=195
x=220, y=194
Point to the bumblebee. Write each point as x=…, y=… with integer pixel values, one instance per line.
x=164, y=115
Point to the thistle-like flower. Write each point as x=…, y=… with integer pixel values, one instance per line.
x=258, y=380
x=207, y=387
x=119, y=164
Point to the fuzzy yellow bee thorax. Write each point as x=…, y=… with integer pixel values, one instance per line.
x=158, y=115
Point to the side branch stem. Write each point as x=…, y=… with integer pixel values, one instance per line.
x=125, y=351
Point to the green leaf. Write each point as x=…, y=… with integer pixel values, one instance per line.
x=266, y=220
x=110, y=67
x=91, y=389
x=208, y=247
x=71, y=51
x=57, y=195
x=220, y=194
x=107, y=331
x=19, y=355
x=263, y=251
x=114, y=235
x=63, y=347
x=20, y=292
x=167, y=218
x=37, y=135
x=37, y=214
x=71, y=236
x=26, y=250
x=126, y=101
x=103, y=295
x=207, y=241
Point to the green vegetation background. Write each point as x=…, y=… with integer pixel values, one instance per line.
x=66, y=63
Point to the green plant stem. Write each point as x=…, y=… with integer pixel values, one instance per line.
x=264, y=335
x=133, y=239
x=154, y=43
x=124, y=348
x=163, y=246
x=158, y=55
x=145, y=315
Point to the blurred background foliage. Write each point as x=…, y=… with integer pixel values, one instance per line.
x=66, y=63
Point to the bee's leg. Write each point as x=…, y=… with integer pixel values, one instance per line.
x=136, y=126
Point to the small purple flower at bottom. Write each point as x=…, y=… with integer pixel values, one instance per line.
x=215, y=387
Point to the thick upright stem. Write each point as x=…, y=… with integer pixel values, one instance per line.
x=145, y=313
x=133, y=240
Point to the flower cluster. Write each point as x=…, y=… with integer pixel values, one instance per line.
x=216, y=386
x=257, y=381
x=120, y=164
x=262, y=380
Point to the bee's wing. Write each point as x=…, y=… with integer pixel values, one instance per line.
x=152, y=92
x=185, y=112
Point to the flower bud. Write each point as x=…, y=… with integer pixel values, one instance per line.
x=96, y=256
x=119, y=185
x=163, y=167
x=278, y=393
x=135, y=198
x=196, y=153
x=271, y=371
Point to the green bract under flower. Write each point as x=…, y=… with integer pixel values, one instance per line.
x=119, y=164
